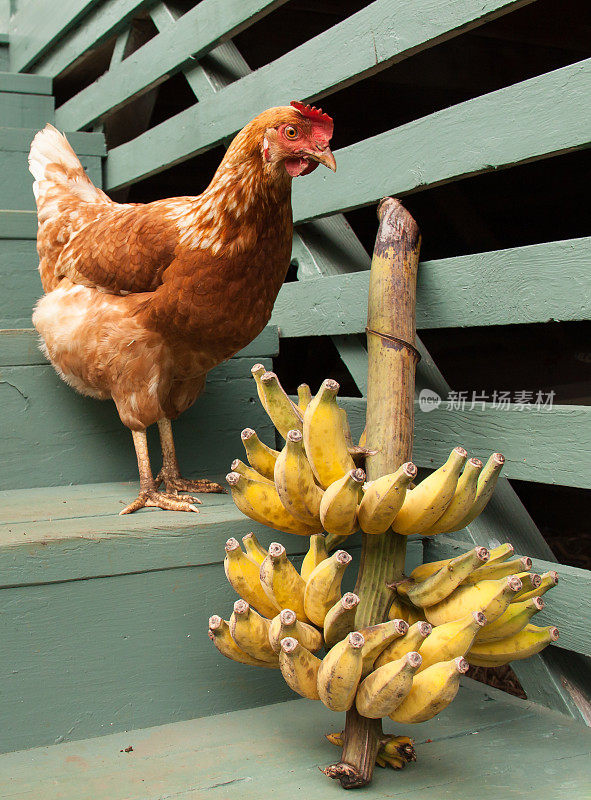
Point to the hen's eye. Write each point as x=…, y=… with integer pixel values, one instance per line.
x=291, y=132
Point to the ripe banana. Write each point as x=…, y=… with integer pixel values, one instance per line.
x=286, y=624
x=439, y=586
x=432, y=690
x=243, y=575
x=461, y=502
x=250, y=631
x=490, y=572
x=340, y=620
x=259, y=455
x=259, y=501
x=524, y=644
x=284, y=414
x=249, y=472
x=254, y=550
x=424, y=505
x=340, y=672
x=295, y=482
x=490, y=597
x=497, y=554
x=219, y=633
x=486, y=486
x=412, y=641
x=299, y=668
x=377, y=638
x=452, y=639
x=282, y=582
x=514, y=619
x=323, y=587
x=338, y=507
x=257, y=371
x=317, y=552
x=398, y=609
x=304, y=396
x=530, y=583
x=324, y=439
x=383, y=499
x=384, y=689
x=548, y=581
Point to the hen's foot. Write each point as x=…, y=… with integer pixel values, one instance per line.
x=174, y=484
x=152, y=498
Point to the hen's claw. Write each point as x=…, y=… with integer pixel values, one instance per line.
x=176, y=484
x=152, y=498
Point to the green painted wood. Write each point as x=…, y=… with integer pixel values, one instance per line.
x=25, y=110
x=19, y=140
x=381, y=34
x=520, y=746
x=107, y=19
x=524, y=437
x=18, y=224
x=20, y=285
x=519, y=285
x=35, y=27
x=566, y=603
x=198, y=31
x=25, y=84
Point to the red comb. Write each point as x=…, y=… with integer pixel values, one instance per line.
x=315, y=115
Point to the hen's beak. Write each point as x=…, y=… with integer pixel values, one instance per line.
x=324, y=157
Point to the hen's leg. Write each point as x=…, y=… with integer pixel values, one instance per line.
x=170, y=473
x=149, y=495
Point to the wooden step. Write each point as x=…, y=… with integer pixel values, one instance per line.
x=26, y=101
x=486, y=745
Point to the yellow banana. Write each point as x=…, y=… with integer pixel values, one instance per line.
x=384, y=689
x=530, y=582
x=432, y=690
x=363, y=438
x=317, y=552
x=338, y=507
x=415, y=614
x=304, y=396
x=323, y=587
x=254, y=550
x=324, y=439
x=259, y=501
x=340, y=672
x=295, y=482
x=257, y=371
x=523, y=644
x=219, y=633
x=299, y=668
x=424, y=505
x=439, y=586
x=398, y=609
x=259, y=455
x=286, y=624
x=394, y=751
x=412, y=641
x=383, y=499
x=500, y=570
x=377, y=638
x=249, y=472
x=243, y=575
x=250, y=631
x=548, y=581
x=486, y=486
x=284, y=414
x=490, y=597
x=514, y=619
x=461, y=502
x=497, y=554
x=340, y=620
x=452, y=639
x=282, y=582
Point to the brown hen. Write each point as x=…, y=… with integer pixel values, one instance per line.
x=142, y=300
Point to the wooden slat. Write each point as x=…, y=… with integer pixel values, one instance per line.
x=24, y=84
x=385, y=32
x=547, y=446
x=18, y=224
x=107, y=19
x=198, y=31
x=537, y=283
x=35, y=27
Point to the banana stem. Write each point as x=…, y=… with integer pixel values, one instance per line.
x=392, y=363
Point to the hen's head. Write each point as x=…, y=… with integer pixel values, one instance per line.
x=292, y=139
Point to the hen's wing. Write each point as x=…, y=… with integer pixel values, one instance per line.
x=85, y=236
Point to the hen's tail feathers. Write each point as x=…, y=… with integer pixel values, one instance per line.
x=58, y=173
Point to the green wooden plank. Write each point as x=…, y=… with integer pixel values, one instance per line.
x=381, y=34
x=235, y=756
x=198, y=31
x=105, y=20
x=35, y=27
x=526, y=438
x=19, y=140
x=18, y=224
x=25, y=84
x=537, y=283
x=25, y=110
x=20, y=287
x=566, y=605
